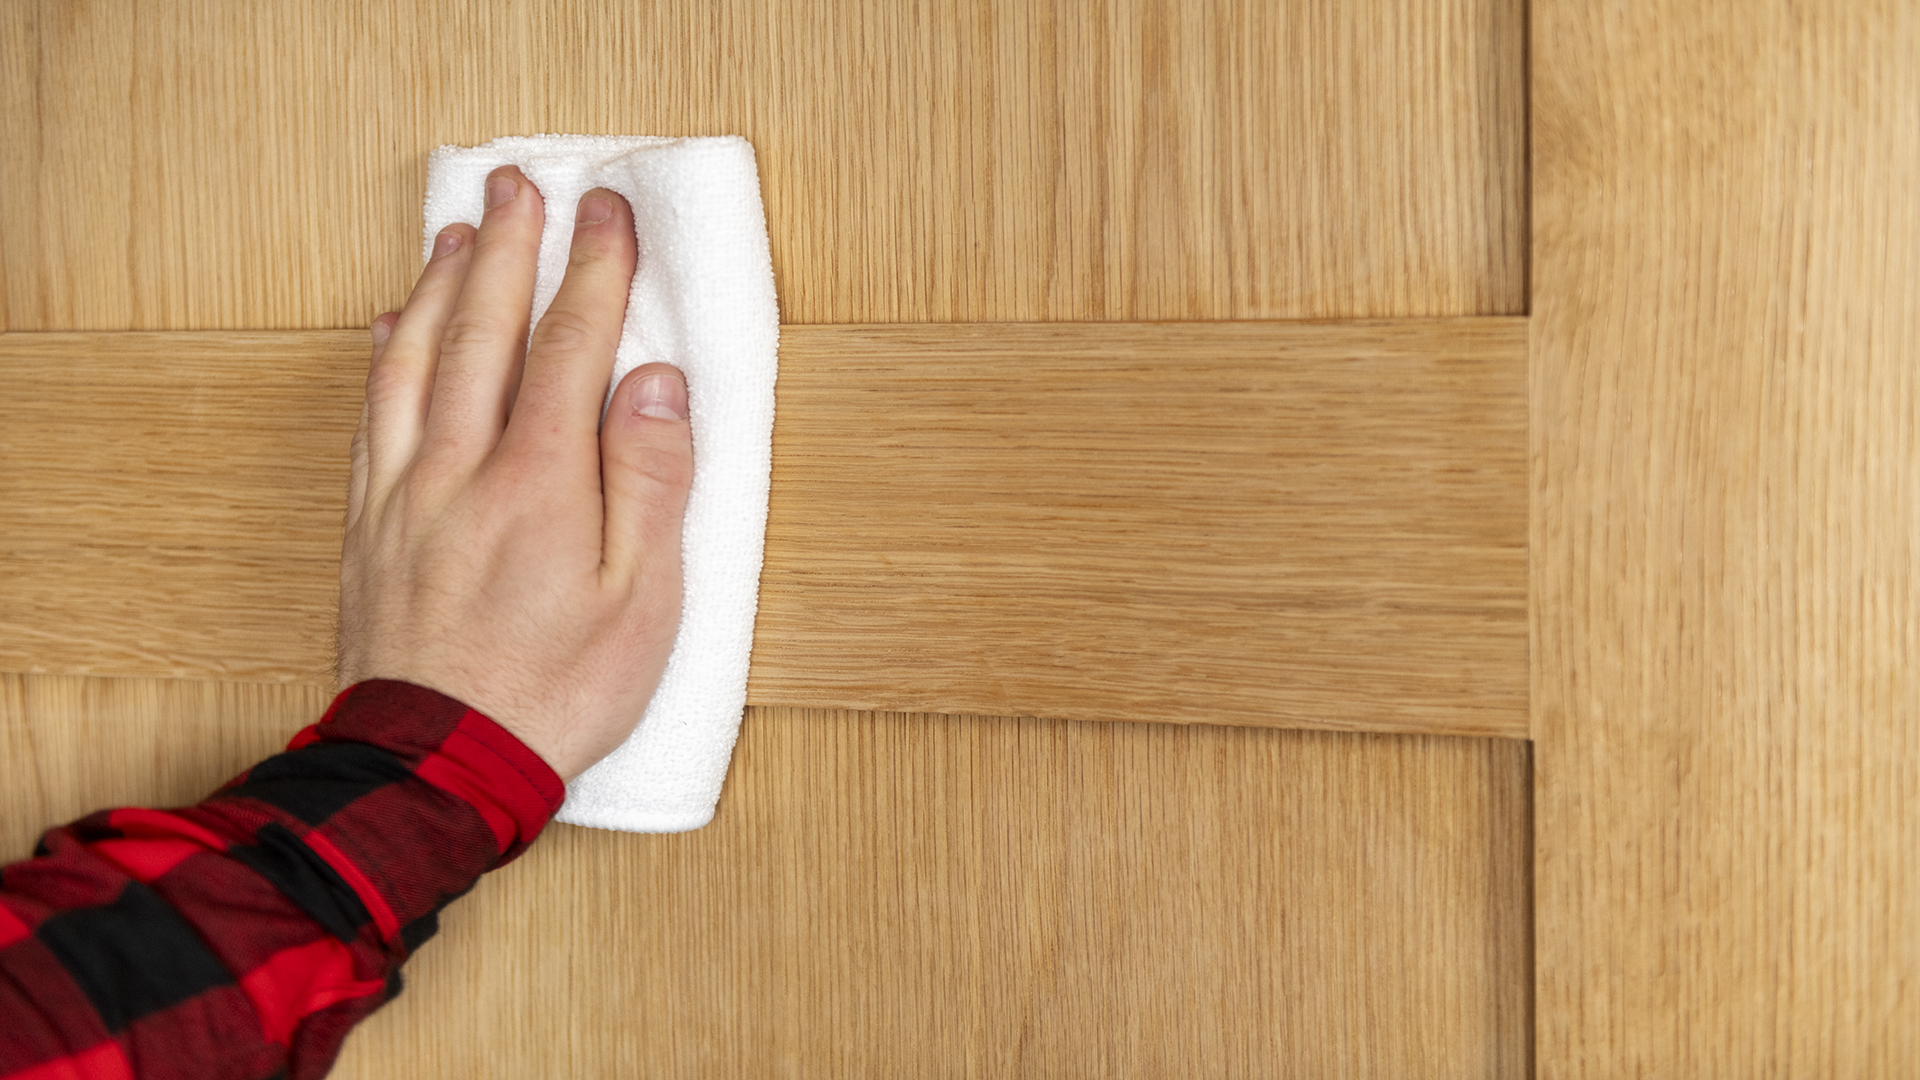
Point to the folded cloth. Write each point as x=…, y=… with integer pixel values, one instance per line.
x=702, y=300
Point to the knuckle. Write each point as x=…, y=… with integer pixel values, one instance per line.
x=430, y=474
x=418, y=485
x=470, y=332
x=567, y=331
x=588, y=250
x=511, y=476
x=389, y=381
x=667, y=469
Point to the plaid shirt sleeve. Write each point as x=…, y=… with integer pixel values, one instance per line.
x=244, y=937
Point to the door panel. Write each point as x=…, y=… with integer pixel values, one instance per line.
x=198, y=165
x=896, y=895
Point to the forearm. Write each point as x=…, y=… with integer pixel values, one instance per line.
x=245, y=936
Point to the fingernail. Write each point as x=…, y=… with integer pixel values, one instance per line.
x=499, y=190
x=446, y=242
x=593, y=211
x=382, y=330
x=661, y=396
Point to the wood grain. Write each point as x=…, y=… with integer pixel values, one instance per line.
x=70, y=745
x=1727, y=424
x=172, y=505
x=1303, y=525
x=198, y=164
x=921, y=895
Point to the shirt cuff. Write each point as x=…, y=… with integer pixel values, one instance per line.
x=453, y=747
x=405, y=794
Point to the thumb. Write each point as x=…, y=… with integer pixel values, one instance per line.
x=646, y=467
x=357, y=470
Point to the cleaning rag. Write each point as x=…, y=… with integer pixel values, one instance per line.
x=702, y=300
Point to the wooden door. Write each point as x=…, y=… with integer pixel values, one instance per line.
x=1145, y=678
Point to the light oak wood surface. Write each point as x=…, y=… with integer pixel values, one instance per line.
x=1726, y=379
x=202, y=164
x=1299, y=525
x=889, y=895
x=985, y=518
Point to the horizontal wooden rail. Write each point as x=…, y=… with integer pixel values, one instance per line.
x=1287, y=524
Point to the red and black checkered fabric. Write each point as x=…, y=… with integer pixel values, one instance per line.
x=244, y=937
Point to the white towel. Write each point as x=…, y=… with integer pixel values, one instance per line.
x=703, y=301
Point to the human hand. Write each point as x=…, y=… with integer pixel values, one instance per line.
x=498, y=548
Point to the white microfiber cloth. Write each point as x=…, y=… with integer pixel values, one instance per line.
x=703, y=301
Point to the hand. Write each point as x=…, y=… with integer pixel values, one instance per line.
x=500, y=549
